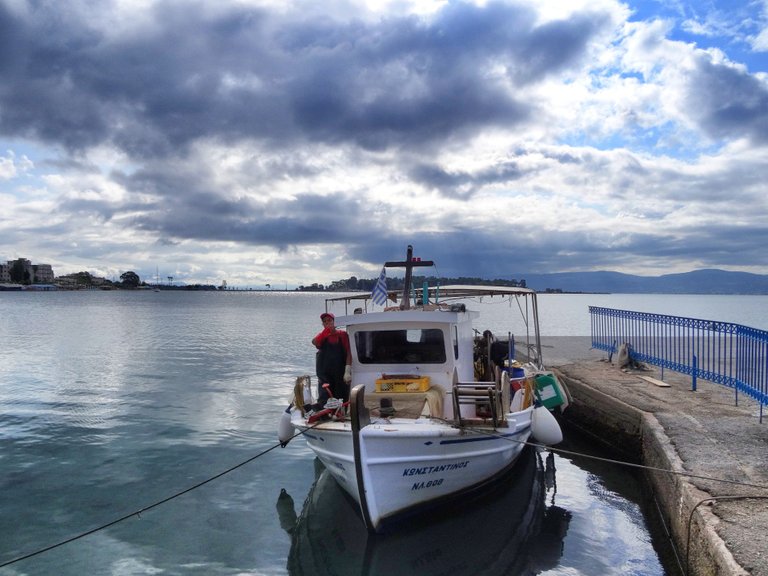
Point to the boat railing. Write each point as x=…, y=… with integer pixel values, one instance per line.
x=728, y=354
x=484, y=396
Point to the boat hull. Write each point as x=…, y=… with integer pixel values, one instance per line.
x=395, y=468
x=496, y=533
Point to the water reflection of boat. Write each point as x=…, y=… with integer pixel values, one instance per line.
x=509, y=530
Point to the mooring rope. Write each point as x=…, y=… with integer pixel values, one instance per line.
x=611, y=460
x=653, y=469
x=139, y=512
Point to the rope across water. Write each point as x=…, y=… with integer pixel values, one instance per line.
x=138, y=513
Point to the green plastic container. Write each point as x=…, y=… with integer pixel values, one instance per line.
x=548, y=391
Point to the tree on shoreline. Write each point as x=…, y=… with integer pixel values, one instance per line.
x=19, y=274
x=130, y=279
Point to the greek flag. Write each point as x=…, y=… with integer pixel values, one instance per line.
x=379, y=294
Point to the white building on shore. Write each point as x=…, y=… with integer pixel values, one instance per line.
x=22, y=271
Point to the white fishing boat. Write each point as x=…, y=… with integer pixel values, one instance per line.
x=437, y=408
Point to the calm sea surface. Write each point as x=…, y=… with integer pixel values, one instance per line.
x=112, y=401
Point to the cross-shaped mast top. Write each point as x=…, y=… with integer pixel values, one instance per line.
x=409, y=264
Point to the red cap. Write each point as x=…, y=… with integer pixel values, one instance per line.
x=325, y=315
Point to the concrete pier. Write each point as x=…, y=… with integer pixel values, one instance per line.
x=701, y=433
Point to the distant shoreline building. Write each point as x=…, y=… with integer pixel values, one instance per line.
x=22, y=271
x=80, y=280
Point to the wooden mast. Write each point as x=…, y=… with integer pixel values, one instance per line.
x=409, y=264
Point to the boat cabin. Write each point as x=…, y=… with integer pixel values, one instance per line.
x=411, y=351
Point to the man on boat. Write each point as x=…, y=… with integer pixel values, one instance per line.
x=334, y=360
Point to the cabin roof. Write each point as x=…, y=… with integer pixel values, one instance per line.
x=419, y=316
x=443, y=293
x=472, y=291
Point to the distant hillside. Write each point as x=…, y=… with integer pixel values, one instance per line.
x=696, y=282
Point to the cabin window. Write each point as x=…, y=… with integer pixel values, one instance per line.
x=415, y=346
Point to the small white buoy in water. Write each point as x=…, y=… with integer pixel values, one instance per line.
x=284, y=428
x=544, y=427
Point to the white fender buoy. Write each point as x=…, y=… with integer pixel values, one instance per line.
x=544, y=427
x=285, y=428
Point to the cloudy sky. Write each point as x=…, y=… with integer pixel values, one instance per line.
x=283, y=142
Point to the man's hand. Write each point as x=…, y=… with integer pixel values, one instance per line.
x=320, y=338
x=348, y=374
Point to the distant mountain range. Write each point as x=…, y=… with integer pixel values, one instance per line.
x=696, y=282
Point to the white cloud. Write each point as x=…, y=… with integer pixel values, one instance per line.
x=760, y=41
x=12, y=167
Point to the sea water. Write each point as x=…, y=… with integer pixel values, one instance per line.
x=113, y=401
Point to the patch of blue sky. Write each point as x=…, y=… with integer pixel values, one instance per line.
x=654, y=9
x=26, y=171
x=728, y=26
x=627, y=74
x=586, y=140
x=20, y=149
x=652, y=141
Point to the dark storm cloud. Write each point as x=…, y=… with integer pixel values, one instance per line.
x=462, y=184
x=244, y=73
x=460, y=252
x=528, y=248
x=279, y=223
x=486, y=254
x=405, y=81
x=728, y=102
x=190, y=207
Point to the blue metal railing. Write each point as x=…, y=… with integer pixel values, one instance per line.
x=721, y=352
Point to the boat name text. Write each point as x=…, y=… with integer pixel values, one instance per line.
x=434, y=469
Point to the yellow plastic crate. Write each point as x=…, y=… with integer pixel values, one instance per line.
x=402, y=384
